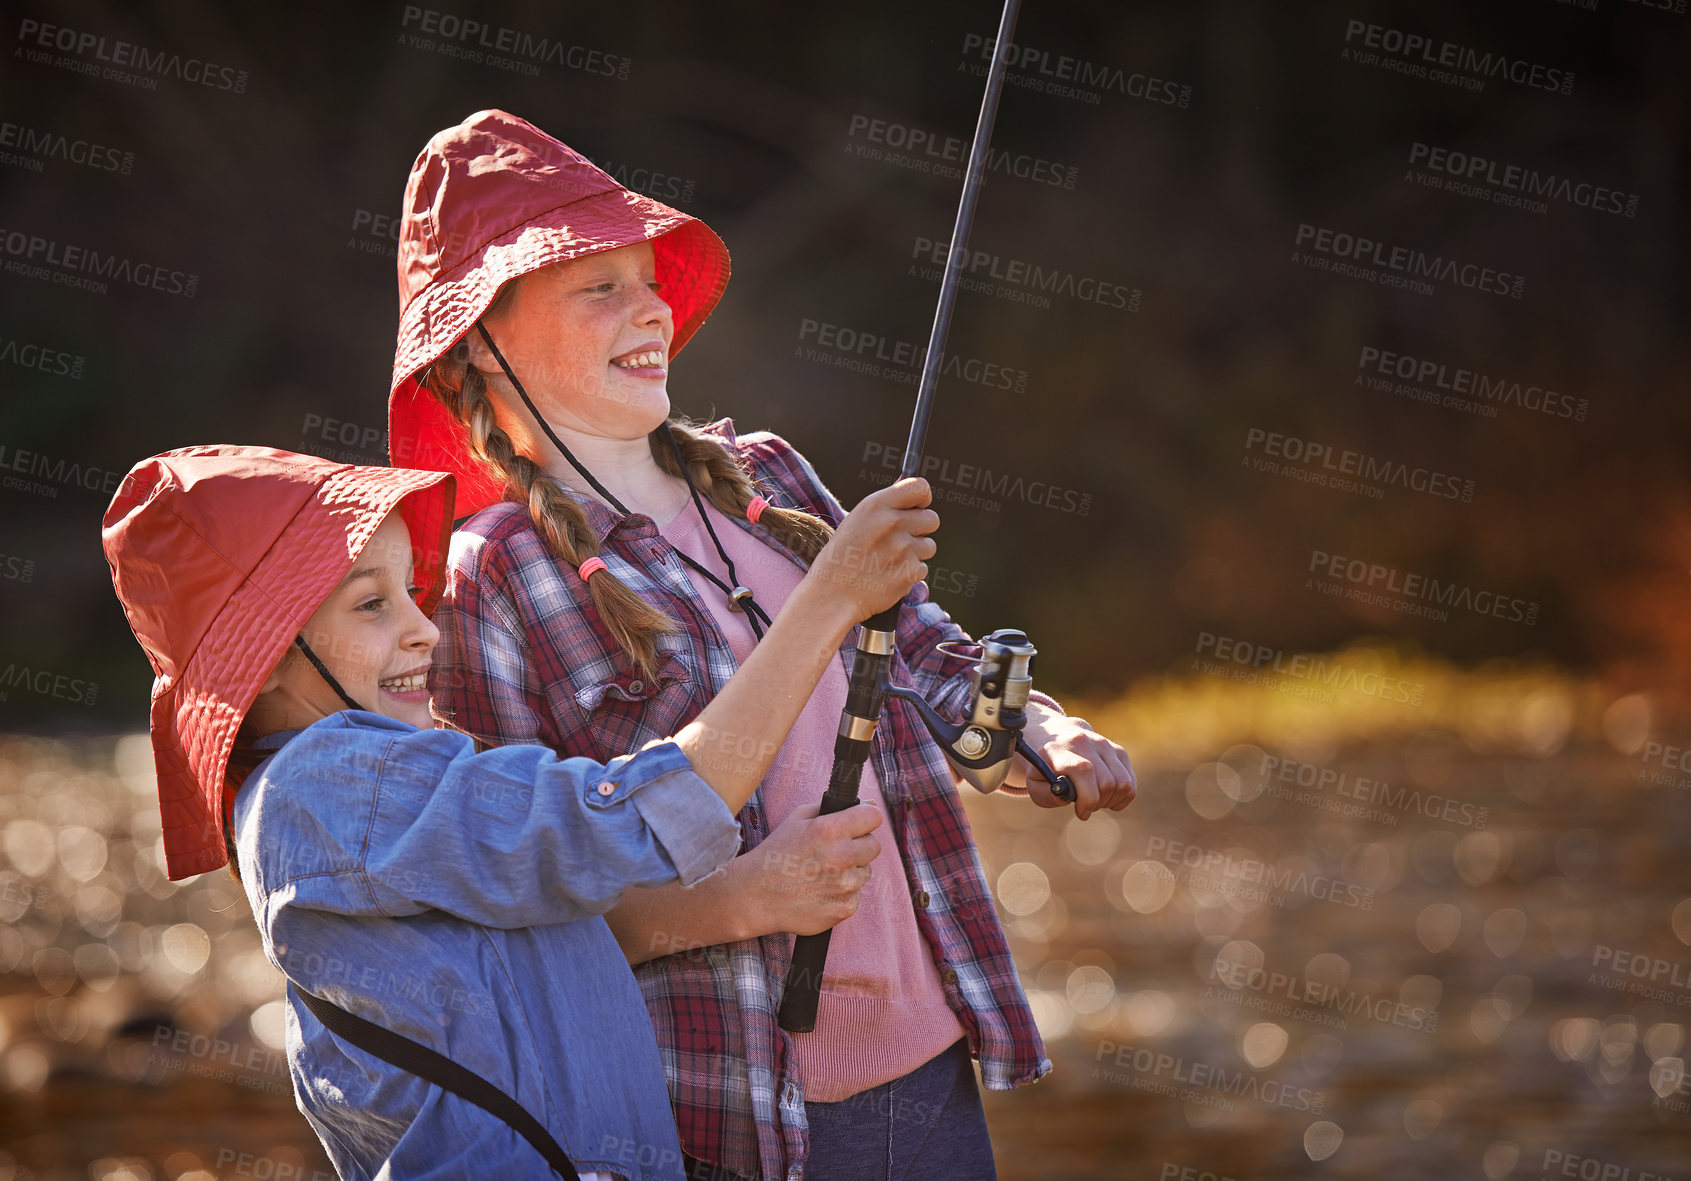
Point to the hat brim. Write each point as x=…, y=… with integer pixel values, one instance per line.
x=195, y=720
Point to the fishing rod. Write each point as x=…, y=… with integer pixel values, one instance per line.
x=982, y=747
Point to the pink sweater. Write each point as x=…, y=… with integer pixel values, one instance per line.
x=883, y=1012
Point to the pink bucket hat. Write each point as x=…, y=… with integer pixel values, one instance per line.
x=492, y=199
x=219, y=555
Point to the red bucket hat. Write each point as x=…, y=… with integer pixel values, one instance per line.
x=219, y=555
x=492, y=199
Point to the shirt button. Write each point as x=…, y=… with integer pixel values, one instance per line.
x=606, y=788
x=922, y=899
x=636, y=686
x=950, y=977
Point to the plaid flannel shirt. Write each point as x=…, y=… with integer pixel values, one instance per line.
x=524, y=658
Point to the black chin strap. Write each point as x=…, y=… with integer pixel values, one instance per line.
x=739, y=597
x=323, y=671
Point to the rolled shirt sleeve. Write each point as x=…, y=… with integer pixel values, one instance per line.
x=359, y=819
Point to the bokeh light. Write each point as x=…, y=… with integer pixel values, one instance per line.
x=1322, y=1139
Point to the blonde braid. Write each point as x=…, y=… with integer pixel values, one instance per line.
x=634, y=623
x=717, y=474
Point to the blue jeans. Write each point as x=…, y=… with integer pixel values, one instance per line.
x=924, y=1126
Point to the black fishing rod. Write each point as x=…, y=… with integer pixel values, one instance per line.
x=982, y=747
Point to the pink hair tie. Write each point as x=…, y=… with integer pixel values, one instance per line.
x=754, y=510
x=589, y=566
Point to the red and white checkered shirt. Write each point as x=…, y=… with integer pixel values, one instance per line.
x=524, y=658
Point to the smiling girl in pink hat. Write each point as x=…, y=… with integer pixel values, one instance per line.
x=623, y=569
x=456, y=1006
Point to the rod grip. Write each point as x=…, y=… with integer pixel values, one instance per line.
x=884, y=621
x=803, y=993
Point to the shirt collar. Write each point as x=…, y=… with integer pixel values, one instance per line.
x=274, y=741
x=281, y=738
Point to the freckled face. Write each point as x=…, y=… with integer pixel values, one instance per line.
x=589, y=340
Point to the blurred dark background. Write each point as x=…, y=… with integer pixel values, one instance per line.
x=1128, y=498
x=280, y=200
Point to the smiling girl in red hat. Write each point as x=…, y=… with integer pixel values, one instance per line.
x=622, y=570
x=455, y=1005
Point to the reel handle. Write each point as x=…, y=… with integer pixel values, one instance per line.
x=1061, y=785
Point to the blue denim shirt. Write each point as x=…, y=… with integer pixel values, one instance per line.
x=454, y=897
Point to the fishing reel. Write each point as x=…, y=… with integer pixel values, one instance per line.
x=981, y=747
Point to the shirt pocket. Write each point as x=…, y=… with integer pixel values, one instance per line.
x=628, y=710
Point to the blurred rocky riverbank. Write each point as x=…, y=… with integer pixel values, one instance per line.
x=1451, y=946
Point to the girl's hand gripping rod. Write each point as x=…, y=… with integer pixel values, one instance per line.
x=868, y=689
